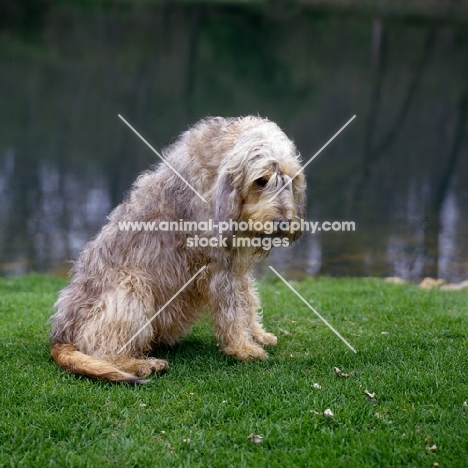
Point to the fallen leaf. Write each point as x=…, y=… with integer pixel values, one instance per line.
x=369, y=394
x=256, y=439
x=432, y=448
x=340, y=374
x=328, y=413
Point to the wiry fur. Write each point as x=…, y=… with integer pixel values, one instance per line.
x=122, y=278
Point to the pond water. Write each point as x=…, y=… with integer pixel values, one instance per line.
x=399, y=170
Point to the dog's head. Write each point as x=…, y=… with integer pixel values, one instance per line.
x=260, y=180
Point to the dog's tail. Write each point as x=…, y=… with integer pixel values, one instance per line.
x=67, y=357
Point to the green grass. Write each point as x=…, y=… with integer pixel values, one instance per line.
x=418, y=371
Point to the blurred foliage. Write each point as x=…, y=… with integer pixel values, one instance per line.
x=68, y=68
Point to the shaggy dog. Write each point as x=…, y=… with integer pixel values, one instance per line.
x=104, y=326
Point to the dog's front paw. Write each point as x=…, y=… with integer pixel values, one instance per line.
x=246, y=352
x=265, y=339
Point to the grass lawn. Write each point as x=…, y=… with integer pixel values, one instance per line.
x=412, y=353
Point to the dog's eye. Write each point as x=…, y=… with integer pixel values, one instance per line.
x=261, y=182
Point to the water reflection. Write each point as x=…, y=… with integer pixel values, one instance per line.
x=399, y=171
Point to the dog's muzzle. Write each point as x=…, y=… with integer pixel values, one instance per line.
x=283, y=226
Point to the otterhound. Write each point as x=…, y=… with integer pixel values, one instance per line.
x=244, y=168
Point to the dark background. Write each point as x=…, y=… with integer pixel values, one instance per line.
x=400, y=170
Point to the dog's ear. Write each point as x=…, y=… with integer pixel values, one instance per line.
x=299, y=194
x=227, y=203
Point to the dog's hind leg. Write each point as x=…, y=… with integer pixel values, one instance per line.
x=117, y=328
